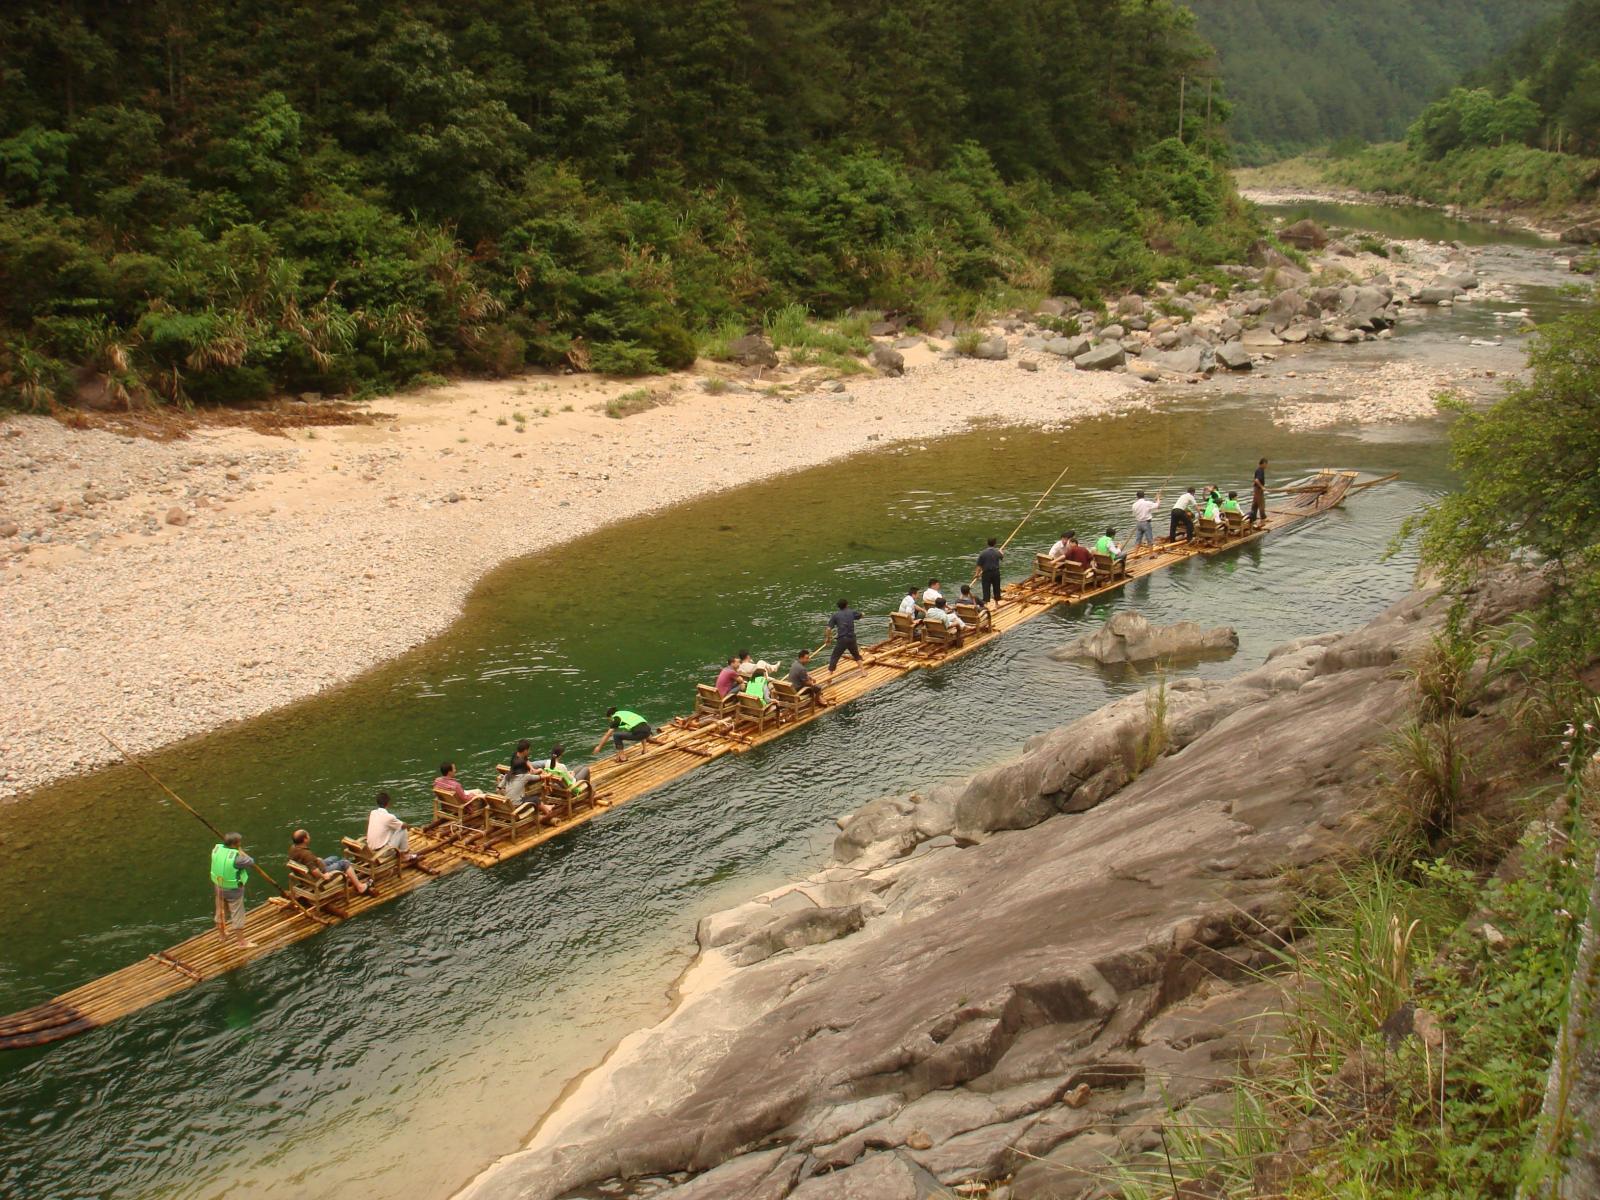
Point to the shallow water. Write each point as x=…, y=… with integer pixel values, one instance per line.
x=405, y=1050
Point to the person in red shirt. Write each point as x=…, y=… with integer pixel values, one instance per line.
x=728, y=677
x=1077, y=552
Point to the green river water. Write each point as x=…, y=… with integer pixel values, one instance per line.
x=404, y=1051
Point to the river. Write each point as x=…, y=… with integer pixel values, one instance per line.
x=401, y=1052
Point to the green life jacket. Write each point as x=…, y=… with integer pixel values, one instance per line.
x=1230, y=506
x=1105, y=546
x=757, y=687
x=224, y=873
x=560, y=771
x=627, y=720
x=1210, y=513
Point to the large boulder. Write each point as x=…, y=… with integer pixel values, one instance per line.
x=1285, y=307
x=1234, y=356
x=1067, y=347
x=993, y=349
x=1587, y=234
x=752, y=350
x=1106, y=357
x=887, y=360
x=1437, y=294
x=1304, y=235
x=1186, y=360
x=1113, y=333
x=1264, y=254
x=1128, y=637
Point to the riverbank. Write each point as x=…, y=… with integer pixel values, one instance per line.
x=159, y=589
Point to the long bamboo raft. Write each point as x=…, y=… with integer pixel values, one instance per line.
x=678, y=748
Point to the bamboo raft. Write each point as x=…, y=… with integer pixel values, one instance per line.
x=678, y=748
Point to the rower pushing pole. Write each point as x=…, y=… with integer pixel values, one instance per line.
x=1043, y=496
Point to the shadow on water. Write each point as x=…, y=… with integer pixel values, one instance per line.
x=467, y=1005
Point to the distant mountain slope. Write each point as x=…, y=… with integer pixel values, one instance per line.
x=1302, y=74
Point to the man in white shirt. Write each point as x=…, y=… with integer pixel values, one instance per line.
x=385, y=831
x=932, y=595
x=940, y=612
x=1059, y=550
x=909, y=606
x=1143, y=532
x=1183, y=514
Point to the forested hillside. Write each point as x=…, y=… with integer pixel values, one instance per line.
x=1521, y=131
x=223, y=199
x=1304, y=74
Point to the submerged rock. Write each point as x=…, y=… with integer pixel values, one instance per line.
x=1128, y=637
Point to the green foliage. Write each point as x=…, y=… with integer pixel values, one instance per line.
x=968, y=341
x=341, y=198
x=1529, y=492
x=626, y=405
x=1302, y=75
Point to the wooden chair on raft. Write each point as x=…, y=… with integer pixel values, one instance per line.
x=461, y=820
x=755, y=711
x=318, y=895
x=1076, y=576
x=380, y=867
x=939, y=636
x=1208, y=532
x=508, y=822
x=710, y=704
x=792, y=702
x=976, y=616
x=1109, y=567
x=903, y=627
x=1234, y=523
x=1049, y=568
x=567, y=801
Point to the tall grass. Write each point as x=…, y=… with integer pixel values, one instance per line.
x=1156, y=737
x=793, y=328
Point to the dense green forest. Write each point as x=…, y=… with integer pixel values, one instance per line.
x=1304, y=75
x=1522, y=130
x=220, y=200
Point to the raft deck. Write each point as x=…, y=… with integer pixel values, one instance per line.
x=677, y=749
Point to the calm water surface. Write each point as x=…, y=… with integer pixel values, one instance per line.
x=403, y=1051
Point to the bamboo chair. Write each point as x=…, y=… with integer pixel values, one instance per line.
x=567, y=801
x=1050, y=568
x=466, y=820
x=752, y=711
x=1207, y=532
x=1109, y=566
x=938, y=635
x=510, y=822
x=373, y=866
x=1076, y=576
x=317, y=894
x=1234, y=522
x=975, y=615
x=709, y=703
x=903, y=627
x=792, y=702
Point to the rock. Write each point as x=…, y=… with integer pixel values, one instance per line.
x=890, y=362
x=1295, y=333
x=752, y=350
x=1234, y=356
x=1464, y=280
x=1340, y=336
x=9, y=529
x=1027, y=364
x=1442, y=294
x=1128, y=637
x=1342, y=249
x=808, y=927
x=1131, y=305
x=1168, y=339
x=834, y=385
x=1283, y=309
x=1136, y=323
x=992, y=349
x=1190, y=360
x=1304, y=235
x=1102, y=358
x=1587, y=234
x=883, y=329
x=1229, y=329
x=176, y=516
x=1263, y=254
x=887, y=1176
x=1075, y=1169
x=1051, y=307
x=1260, y=338
x=1067, y=347
x=1113, y=333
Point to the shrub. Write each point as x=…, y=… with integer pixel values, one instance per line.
x=623, y=358
x=630, y=403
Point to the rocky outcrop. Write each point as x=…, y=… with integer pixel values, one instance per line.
x=1105, y=357
x=752, y=350
x=1025, y=973
x=887, y=360
x=1128, y=637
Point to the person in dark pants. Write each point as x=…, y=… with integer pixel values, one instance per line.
x=625, y=727
x=989, y=567
x=842, y=633
x=1258, y=494
x=1183, y=517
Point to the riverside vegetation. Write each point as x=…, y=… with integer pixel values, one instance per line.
x=221, y=201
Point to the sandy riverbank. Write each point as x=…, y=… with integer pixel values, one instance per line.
x=306, y=560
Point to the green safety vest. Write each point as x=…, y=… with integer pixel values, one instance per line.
x=561, y=773
x=1105, y=546
x=1230, y=506
x=1211, y=510
x=627, y=720
x=224, y=873
x=757, y=687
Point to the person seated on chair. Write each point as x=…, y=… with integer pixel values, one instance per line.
x=519, y=775
x=728, y=677
x=385, y=831
x=931, y=594
x=1211, y=510
x=321, y=868
x=1106, y=545
x=1230, y=506
x=1077, y=552
x=942, y=613
x=985, y=620
x=577, y=782
x=909, y=606
x=759, y=685
x=1214, y=495
x=1059, y=550
x=749, y=666
x=447, y=782
x=800, y=679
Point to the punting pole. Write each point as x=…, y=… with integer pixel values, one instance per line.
x=182, y=803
